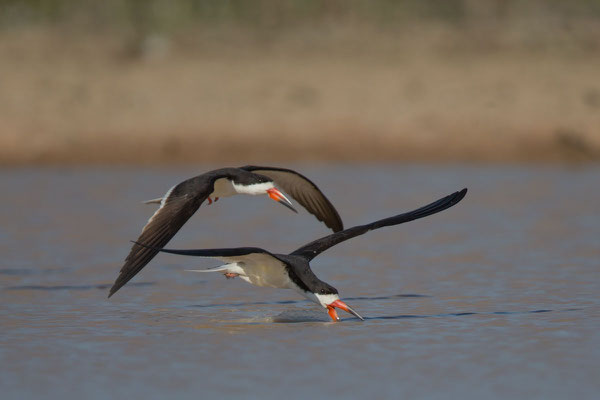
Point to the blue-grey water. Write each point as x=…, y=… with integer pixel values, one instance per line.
x=495, y=298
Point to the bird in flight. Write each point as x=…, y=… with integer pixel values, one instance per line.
x=182, y=200
x=260, y=267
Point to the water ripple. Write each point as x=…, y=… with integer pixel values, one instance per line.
x=101, y=286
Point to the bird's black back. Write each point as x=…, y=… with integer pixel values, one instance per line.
x=238, y=175
x=298, y=269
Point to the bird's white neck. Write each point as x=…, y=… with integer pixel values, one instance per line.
x=321, y=299
x=254, y=189
x=224, y=187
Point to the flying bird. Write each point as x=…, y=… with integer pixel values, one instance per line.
x=292, y=271
x=182, y=200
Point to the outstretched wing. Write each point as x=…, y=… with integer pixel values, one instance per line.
x=304, y=191
x=178, y=205
x=318, y=246
x=227, y=254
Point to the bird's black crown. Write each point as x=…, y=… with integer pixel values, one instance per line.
x=327, y=289
x=250, y=178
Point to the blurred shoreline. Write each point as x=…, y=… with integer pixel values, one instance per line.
x=489, y=91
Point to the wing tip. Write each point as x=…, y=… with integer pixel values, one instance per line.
x=460, y=195
x=121, y=281
x=337, y=227
x=113, y=290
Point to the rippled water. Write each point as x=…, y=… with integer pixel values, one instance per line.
x=497, y=297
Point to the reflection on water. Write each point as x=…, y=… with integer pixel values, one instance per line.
x=311, y=317
x=494, y=298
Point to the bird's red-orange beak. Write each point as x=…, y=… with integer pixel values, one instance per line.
x=341, y=305
x=276, y=195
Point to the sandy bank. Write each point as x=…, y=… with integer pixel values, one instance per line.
x=85, y=100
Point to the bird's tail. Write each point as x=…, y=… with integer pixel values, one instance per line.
x=220, y=268
x=153, y=201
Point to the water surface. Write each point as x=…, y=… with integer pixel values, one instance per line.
x=494, y=298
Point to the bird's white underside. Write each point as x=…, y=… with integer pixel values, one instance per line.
x=258, y=269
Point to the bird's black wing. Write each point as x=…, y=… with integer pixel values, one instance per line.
x=318, y=246
x=179, y=204
x=304, y=191
x=215, y=253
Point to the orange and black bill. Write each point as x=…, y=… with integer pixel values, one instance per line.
x=276, y=195
x=341, y=305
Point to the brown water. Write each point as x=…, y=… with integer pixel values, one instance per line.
x=497, y=297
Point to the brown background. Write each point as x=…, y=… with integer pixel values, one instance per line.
x=195, y=81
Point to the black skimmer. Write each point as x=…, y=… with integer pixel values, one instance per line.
x=292, y=271
x=182, y=200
